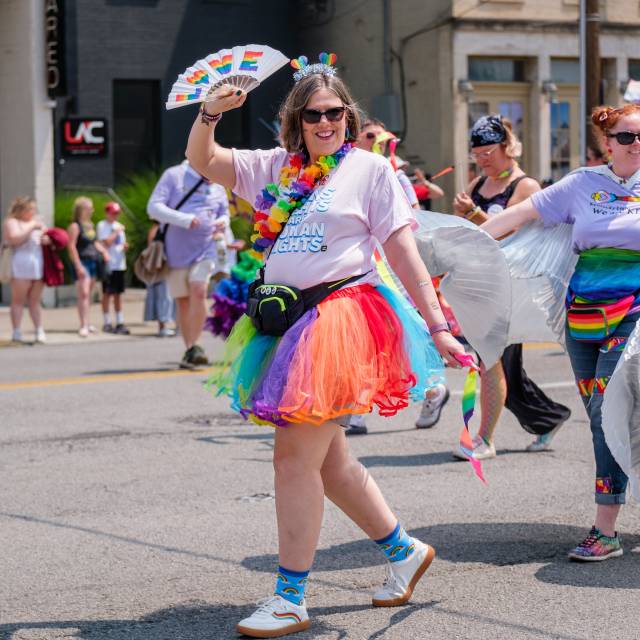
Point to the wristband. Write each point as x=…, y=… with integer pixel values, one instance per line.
x=437, y=328
x=206, y=118
x=472, y=212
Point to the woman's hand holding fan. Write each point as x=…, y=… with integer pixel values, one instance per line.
x=224, y=98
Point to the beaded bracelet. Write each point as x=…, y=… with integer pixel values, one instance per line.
x=206, y=118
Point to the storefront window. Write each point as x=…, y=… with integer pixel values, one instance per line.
x=496, y=70
x=560, y=139
x=136, y=126
x=565, y=70
x=634, y=69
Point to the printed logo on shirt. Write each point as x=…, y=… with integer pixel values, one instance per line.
x=602, y=204
x=300, y=236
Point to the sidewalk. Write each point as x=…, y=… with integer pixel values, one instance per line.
x=61, y=324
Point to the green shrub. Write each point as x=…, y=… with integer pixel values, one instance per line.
x=132, y=196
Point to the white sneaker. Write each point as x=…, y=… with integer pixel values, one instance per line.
x=41, y=336
x=543, y=443
x=434, y=400
x=275, y=617
x=481, y=450
x=16, y=336
x=403, y=575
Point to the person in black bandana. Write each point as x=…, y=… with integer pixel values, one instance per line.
x=494, y=149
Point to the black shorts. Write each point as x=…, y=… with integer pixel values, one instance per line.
x=114, y=282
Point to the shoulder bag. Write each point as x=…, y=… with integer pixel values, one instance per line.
x=151, y=265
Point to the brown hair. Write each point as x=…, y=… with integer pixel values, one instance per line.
x=512, y=146
x=597, y=152
x=373, y=122
x=605, y=118
x=296, y=101
x=20, y=204
x=80, y=203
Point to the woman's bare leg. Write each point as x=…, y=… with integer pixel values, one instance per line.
x=350, y=486
x=493, y=393
x=35, y=307
x=19, y=296
x=83, y=288
x=300, y=451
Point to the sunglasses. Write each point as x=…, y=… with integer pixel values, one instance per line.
x=624, y=137
x=313, y=116
x=369, y=135
x=482, y=154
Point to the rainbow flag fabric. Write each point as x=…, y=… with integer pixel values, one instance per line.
x=604, y=288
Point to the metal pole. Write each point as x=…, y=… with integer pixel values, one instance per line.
x=594, y=85
x=583, y=80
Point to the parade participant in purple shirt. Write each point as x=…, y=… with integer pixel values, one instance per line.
x=190, y=246
x=602, y=204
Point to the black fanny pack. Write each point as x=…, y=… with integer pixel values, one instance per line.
x=273, y=308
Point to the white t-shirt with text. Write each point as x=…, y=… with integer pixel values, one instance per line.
x=333, y=235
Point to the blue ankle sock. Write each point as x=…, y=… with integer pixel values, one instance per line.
x=398, y=545
x=291, y=584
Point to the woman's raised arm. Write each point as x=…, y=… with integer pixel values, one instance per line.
x=207, y=157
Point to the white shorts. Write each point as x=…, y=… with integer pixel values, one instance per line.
x=178, y=279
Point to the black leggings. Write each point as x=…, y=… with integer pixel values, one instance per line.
x=536, y=412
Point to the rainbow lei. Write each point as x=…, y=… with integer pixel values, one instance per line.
x=275, y=203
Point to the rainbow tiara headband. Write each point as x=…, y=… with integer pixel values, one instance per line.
x=305, y=69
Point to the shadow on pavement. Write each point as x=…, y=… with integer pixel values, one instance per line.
x=431, y=459
x=195, y=622
x=112, y=372
x=416, y=460
x=494, y=543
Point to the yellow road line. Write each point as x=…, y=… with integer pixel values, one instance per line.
x=542, y=345
x=113, y=377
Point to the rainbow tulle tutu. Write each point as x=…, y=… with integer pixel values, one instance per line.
x=360, y=348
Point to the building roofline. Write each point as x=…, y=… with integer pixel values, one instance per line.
x=557, y=26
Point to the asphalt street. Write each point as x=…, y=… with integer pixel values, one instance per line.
x=134, y=505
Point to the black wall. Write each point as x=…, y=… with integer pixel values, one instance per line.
x=111, y=40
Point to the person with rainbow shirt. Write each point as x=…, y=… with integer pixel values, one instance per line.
x=602, y=203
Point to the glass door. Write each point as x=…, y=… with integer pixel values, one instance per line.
x=565, y=142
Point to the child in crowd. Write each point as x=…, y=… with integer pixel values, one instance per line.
x=111, y=234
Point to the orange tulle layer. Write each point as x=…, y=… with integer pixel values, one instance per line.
x=350, y=358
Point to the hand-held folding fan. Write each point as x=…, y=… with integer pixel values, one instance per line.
x=243, y=67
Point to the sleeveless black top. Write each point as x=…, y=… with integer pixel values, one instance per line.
x=86, y=242
x=494, y=204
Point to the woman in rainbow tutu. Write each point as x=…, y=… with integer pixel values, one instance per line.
x=325, y=338
x=603, y=301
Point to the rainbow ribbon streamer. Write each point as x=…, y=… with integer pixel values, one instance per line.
x=469, y=393
x=384, y=273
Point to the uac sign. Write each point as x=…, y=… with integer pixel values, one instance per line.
x=84, y=137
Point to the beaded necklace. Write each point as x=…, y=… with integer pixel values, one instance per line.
x=275, y=203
